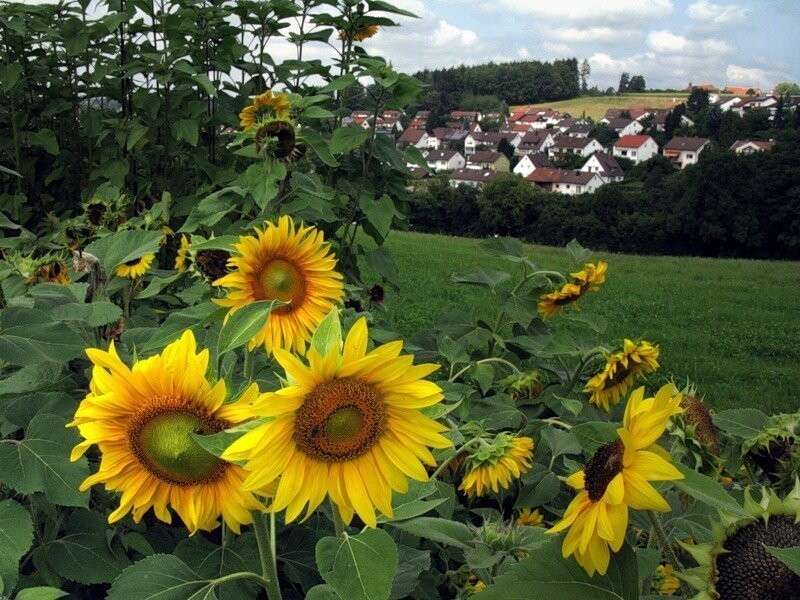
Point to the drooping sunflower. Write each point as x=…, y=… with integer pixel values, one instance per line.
x=287, y=263
x=491, y=466
x=266, y=105
x=276, y=139
x=364, y=33
x=616, y=478
x=529, y=518
x=621, y=367
x=736, y=564
x=142, y=420
x=136, y=267
x=587, y=279
x=182, y=260
x=348, y=426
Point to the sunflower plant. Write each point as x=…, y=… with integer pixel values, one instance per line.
x=202, y=392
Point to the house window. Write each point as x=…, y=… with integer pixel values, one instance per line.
x=690, y=155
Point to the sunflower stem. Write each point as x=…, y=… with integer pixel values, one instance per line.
x=338, y=524
x=491, y=359
x=248, y=365
x=444, y=464
x=265, y=532
x=666, y=548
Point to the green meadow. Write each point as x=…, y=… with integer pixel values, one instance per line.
x=729, y=326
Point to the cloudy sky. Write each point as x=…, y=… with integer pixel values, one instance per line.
x=670, y=42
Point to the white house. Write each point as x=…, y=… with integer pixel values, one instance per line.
x=444, y=160
x=684, y=151
x=623, y=126
x=414, y=137
x=489, y=140
x=535, y=142
x=472, y=177
x=577, y=182
x=604, y=165
x=530, y=162
x=565, y=145
x=637, y=148
x=751, y=146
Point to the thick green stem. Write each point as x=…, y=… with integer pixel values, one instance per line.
x=248, y=365
x=464, y=446
x=666, y=548
x=264, y=531
x=338, y=524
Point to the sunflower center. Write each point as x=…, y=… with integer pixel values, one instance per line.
x=281, y=280
x=747, y=571
x=163, y=443
x=339, y=420
x=133, y=262
x=605, y=464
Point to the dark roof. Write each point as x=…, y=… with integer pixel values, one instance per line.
x=763, y=144
x=480, y=175
x=565, y=141
x=418, y=172
x=618, y=122
x=539, y=160
x=491, y=137
x=580, y=128
x=485, y=156
x=609, y=164
x=454, y=135
x=685, y=143
x=435, y=155
x=575, y=177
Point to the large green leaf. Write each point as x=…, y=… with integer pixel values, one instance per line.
x=40, y=462
x=82, y=552
x=245, y=323
x=161, y=577
x=741, y=422
x=29, y=336
x=481, y=277
x=123, y=246
x=345, y=139
x=706, y=490
x=359, y=567
x=788, y=556
x=328, y=335
x=177, y=322
x=186, y=129
x=545, y=575
x=16, y=530
x=93, y=314
x=412, y=562
x=439, y=530
x=210, y=561
x=41, y=593
x=594, y=434
x=415, y=502
x=379, y=214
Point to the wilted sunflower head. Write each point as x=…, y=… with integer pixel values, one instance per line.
x=495, y=464
x=96, y=211
x=212, y=263
x=620, y=370
x=775, y=451
x=359, y=34
x=737, y=564
x=276, y=140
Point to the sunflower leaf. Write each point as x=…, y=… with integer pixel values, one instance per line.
x=359, y=567
x=706, y=490
x=788, y=556
x=328, y=335
x=161, y=577
x=41, y=593
x=439, y=530
x=124, y=246
x=244, y=324
x=16, y=530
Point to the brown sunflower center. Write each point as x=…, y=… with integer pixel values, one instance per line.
x=134, y=262
x=282, y=139
x=620, y=374
x=605, y=464
x=281, y=280
x=746, y=571
x=339, y=420
x=163, y=444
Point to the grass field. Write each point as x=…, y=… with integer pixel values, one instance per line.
x=596, y=106
x=731, y=326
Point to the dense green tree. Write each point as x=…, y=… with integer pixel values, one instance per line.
x=624, y=83
x=637, y=84
x=697, y=103
x=507, y=206
x=787, y=88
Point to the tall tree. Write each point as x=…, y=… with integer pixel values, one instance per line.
x=697, y=102
x=786, y=88
x=585, y=71
x=624, y=83
x=637, y=84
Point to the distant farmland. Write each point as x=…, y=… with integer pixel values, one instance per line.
x=596, y=106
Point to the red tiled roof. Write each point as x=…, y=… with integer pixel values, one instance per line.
x=631, y=141
x=412, y=135
x=544, y=175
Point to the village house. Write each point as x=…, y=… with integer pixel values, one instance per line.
x=466, y=115
x=565, y=146
x=725, y=104
x=637, y=148
x=769, y=103
x=535, y=141
x=577, y=182
x=444, y=160
x=472, y=177
x=388, y=126
x=486, y=159
x=605, y=166
x=579, y=129
x=622, y=126
x=544, y=177
x=683, y=151
x=740, y=90
x=530, y=162
x=413, y=137
x=444, y=137
x=488, y=140
x=751, y=146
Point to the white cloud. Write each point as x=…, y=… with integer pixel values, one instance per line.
x=590, y=34
x=449, y=35
x=671, y=44
x=590, y=11
x=556, y=50
x=717, y=14
x=738, y=74
x=523, y=53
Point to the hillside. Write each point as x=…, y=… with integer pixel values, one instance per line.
x=596, y=106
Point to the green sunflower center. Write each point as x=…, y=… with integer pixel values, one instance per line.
x=281, y=280
x=163, y=443
x=605, y=464
x=339, y=420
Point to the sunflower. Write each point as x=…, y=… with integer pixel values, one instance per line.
x=736, y=565
x=616, y=478
x=348, y=426
x=136, y=267
x=287, y=263
x=182, y=260
x=619, y=372
x=665, y=583
x=265, y=105
x=529, y=518
x=491, y=466
x=276, y=139
x=142, y=420
x=54, y=272
x=361, y=34
x=587, y=279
